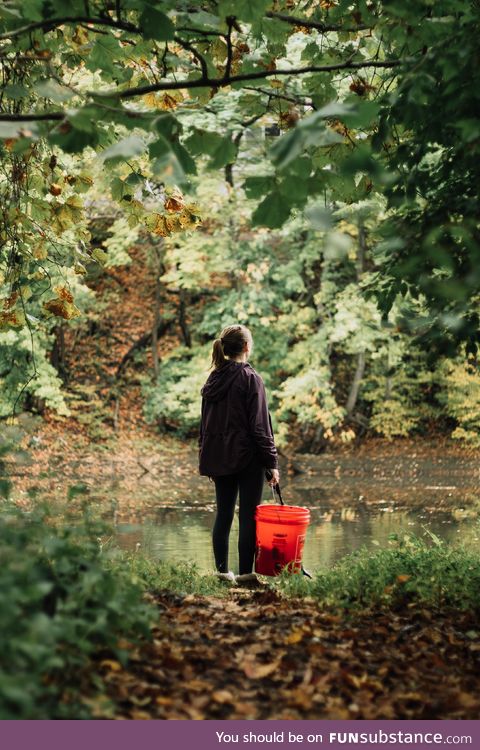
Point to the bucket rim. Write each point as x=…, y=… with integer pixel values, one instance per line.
x=277, y=506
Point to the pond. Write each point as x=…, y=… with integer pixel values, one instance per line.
x=354, y=501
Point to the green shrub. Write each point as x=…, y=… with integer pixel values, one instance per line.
x=62, y=603
x=410, y=570
x=459, y=395
x=174, y=400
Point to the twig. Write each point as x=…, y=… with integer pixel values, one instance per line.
x=228, y=38
x=186, y=45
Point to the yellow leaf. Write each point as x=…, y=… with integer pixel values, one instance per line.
x=150, y=100
x=63, y=293
x=255, y=670
x=12, y=319
x=113, y=666
x=62, y=308
x=295, y=636
x=222, y=696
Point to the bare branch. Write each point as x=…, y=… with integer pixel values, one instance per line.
x=228, y=38
x=53, y=23
x=256, y=76
x=211, y=83
x=285, y=97
x=186, y=45
x=202, y=32
x=319, y=25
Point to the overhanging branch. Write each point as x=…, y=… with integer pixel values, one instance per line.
x=53, y=23
x=309, y=24
x=210, y=83
x=256, y=76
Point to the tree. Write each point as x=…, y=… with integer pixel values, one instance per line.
x=344, y=99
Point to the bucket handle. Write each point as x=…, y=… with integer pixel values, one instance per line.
x=276, y=489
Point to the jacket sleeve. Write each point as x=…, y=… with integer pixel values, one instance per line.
x=260, y=423
x=200, y=432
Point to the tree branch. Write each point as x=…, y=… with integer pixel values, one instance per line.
x=13, y=117
x=308, y=24
x=186, y=45
x=274, y=95
x=210, y=83
x=52, y=23
x=256, y=76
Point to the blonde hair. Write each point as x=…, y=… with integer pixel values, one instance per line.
x=230, y=343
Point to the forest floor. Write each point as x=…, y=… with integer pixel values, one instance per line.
x=255, y=655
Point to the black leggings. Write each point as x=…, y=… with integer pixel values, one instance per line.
x=249, y=482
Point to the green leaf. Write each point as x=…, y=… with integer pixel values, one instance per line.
x=159, y=148
x=120, y=189
x=225, y=153
x=156, y=25
x=246, y=10
x=256, y=187
x=104, y=52
x=15, y=91
x=185, y=160
x=124, y=149
x=272, y=212
x=167, y=125
x=71, y=140
x=203, y=142
x=287, y=148
x=51, y=89
x=84, y=119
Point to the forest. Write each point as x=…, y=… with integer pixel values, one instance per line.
x=309, y=170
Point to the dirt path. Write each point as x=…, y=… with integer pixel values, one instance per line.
x=254, y=655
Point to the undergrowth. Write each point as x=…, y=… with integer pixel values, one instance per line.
x=411, y=570
x=63, y=608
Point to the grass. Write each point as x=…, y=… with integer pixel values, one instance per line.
x=410, y=569
x=433, y=574
x=179, y=578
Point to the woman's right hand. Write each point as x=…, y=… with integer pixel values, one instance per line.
x=275, y=478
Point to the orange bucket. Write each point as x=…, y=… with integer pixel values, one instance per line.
x=281, y=531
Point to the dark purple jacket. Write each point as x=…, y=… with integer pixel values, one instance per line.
x=236, y=425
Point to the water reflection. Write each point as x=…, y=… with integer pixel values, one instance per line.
x=179, y=533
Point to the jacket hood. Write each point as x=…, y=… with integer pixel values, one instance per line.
x=219, y=381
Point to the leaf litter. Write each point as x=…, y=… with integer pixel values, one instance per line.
x=255, y=655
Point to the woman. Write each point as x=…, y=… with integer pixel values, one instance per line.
x=236, y=445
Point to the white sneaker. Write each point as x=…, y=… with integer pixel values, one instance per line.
x=229, y=577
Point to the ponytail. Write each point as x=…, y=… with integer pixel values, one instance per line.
x=230, y=343
x=218, y=355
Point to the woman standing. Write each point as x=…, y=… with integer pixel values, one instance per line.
x=236, y=445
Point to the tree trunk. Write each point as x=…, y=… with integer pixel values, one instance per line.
x=143, y=342
x=355, y=386
x=182, y=319
x=57, y=356
x=156, y=312
x=361, y=356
